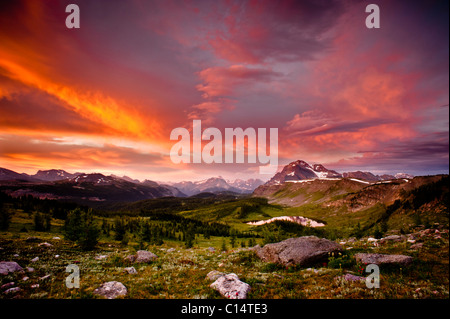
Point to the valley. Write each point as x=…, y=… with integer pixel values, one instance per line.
x=220, y=230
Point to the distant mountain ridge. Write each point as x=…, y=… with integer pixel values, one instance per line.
x=216, y=185
x=59, y=184
x=300, y=170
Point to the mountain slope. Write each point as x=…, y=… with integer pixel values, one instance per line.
x=88, y=189
x=212, y=185
x=9, y=175
x=52, y=175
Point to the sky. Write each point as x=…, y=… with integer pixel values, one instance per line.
x=105, y=97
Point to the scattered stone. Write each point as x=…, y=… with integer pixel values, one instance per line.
x=416, y=246
x=170, y=250
x=16, y=255
x=12, y=290
x=34, y=259
x=412, y=241
x=383, y=259
x=34, y=286
x=130, y=270
x=371, y=239
x=25, y=278
x=9, y=266
x=57, y=256
x=33, y=239
x=45, y=244
x=100, y=257
x=231, y=287
x=392, y=238
x=142, y=256
x=56, y=238
x=44, y=277
x=350, y=277
x=214, y=275
x=111, y=290
x=302, y=251
x=7, y=285
x=30, y=269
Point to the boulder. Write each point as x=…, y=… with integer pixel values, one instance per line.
x=111, y=290
x=392, y=238
x=231, y=287
x=9, y=266
x=302, y=251
x=142, y=256
x=383, y=259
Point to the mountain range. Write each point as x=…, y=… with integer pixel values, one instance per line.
x=299, y=171
x=96, y=187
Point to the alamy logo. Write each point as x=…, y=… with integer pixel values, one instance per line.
x=233, y=142
x=373, y=19
x=373, y=280
x=73, y=280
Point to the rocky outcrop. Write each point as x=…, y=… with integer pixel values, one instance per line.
x=383, y=259
x=231, y=287
x=111, y=290
x=9, y=266
x=302, y=251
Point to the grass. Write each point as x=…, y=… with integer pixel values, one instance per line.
x=181, y=273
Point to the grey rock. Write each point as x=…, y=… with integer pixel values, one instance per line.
x=383, y=259
x=144, y=256
x=170, y=250
x=8, y=285
x=392, y=238
x=214, y=275
x=301, y=251
x=12, y=290
x=231, y=287
x=9, y=266
x=350, y=277
x=130, y=270
x=45, y=277
x=35, y=259
x=416, y=246
x=100, y=257
x=111, y=290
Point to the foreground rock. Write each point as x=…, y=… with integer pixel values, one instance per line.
x=111, y=290
x=9, y=266
x=382, y=259
x=142, y=256
x=302, y=251
x=231, y=287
